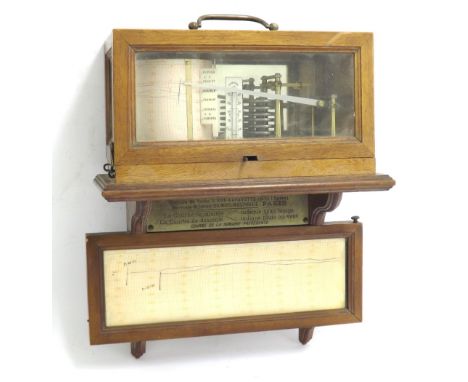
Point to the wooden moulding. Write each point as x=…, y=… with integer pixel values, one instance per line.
x=137, y=334
x=114, y=192
x=320, y=204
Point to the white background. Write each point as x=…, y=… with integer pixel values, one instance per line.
x=416, y=256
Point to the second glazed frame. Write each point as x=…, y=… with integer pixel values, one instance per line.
x=98, y=243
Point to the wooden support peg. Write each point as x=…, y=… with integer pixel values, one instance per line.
x=305, y=335
x=138, y=348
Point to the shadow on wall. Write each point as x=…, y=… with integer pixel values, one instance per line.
x=77, y=208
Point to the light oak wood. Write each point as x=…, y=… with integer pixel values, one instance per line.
x=234, y=150
x=227, y=155
x=165, y=173
x=144, y=38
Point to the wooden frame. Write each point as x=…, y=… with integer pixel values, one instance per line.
x=210, y=160
x=97, y=243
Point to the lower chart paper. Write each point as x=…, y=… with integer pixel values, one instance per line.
x=154, y=285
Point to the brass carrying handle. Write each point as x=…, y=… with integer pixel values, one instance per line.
x=197, y=24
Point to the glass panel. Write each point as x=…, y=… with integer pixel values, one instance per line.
x=184, y=96
x=154, y=285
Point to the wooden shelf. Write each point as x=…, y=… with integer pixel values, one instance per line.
x=113, y=192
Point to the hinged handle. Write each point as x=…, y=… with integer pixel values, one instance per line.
x=197, y=24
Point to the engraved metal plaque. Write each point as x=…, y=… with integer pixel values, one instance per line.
x=219, y=213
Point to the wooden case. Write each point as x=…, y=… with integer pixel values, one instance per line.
x=138, y=162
